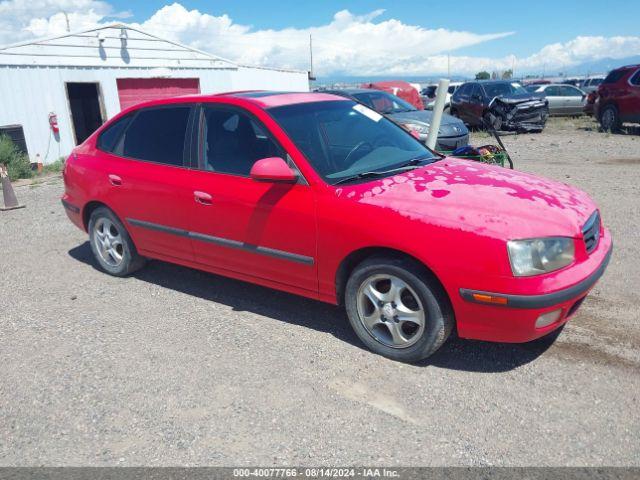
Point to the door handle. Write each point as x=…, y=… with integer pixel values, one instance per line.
x=115, y=180
x=202, y=198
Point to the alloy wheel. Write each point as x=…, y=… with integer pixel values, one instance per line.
x=390, y=311
x=109, y=242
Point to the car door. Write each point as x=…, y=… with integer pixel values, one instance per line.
x=148, y=184
x=460, y=102
x=477, y=105
x=574, y=99
x=258, y=229
x=630, y=110
x=556, y=102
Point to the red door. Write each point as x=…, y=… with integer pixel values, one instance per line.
x=135, y=90
x=260, y=229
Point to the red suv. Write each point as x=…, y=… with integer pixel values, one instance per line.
x=618, y=99
x=318, y=195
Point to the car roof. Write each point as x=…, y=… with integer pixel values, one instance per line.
x=261, y=98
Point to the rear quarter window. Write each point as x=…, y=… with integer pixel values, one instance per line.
x=157, y=135
x=635, y=79
x=614, y=76
x=108, y=139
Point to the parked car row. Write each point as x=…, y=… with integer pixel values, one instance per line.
x=323, y=197
x=506, y=104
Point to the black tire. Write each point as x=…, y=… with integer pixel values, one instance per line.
x=130, y=260
x=610, y=119
x=438, y=322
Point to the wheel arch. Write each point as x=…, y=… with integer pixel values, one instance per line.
x=88, y=209
x=353, y=259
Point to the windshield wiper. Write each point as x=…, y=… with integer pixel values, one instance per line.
x=415, y=161
x=380, y=173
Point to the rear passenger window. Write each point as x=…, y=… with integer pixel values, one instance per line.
x=614, y=76
x=157, y=135
x=109, y=138
x=635, y=80
x=233, y=142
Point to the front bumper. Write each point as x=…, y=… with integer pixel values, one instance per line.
x=512, y=317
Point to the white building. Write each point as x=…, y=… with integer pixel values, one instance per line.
x=81, y=79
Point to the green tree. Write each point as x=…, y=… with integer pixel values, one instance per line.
x=507, y=74
x=483, y=75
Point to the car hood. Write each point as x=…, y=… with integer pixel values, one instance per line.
x=449, y=125
x=424, y=116
x=485, y=199
x=521, y=97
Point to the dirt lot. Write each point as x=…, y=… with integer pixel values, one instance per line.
x=178, y=367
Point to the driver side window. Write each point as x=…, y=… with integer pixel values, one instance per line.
x=232, y=141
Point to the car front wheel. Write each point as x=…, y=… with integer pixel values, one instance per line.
x=397, y=309
x=111, y=245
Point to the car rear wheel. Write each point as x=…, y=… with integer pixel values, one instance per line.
x=609, y=119
x=111, y=245
x=397, y=309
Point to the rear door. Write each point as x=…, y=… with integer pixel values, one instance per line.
x=256, y=229
x=631, y=108
x=574, y=99
x=556, y=102
x=460, y=101
x=149, y=187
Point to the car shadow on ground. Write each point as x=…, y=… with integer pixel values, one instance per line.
x=455, y=354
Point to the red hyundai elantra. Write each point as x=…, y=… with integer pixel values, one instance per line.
x=322, y=197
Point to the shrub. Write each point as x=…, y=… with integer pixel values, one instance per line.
x=55, y=167
x=17, y=163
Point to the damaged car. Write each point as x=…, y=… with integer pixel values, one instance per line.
x=501, y=105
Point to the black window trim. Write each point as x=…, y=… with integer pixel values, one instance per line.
x=186, y=149
x=197, y=162
x=127, y=118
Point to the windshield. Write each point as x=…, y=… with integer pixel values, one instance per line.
x=383, y=102
x=343, y=139
x=501, y=89
x=532, y=88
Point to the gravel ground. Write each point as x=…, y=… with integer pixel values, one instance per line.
x=178, y=367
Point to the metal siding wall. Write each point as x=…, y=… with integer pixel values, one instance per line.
x=247, y=78
x=29, y=93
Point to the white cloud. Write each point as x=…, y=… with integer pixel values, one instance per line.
x=24, y=19
x=348, y=44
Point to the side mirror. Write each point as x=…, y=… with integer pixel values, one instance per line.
x=273, y=169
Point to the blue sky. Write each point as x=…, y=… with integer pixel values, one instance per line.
x=362, y=38
x=536, y=23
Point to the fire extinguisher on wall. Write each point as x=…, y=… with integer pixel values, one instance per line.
x=53, y=122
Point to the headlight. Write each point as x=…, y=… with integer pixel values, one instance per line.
x=540, y=255
x=417, y=127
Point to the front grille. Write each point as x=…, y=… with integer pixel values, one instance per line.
x=591, y=232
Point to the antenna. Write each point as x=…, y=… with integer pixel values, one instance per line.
x=66, y=17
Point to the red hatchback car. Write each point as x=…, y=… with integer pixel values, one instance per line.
x=618, y=98
x=320, y=196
